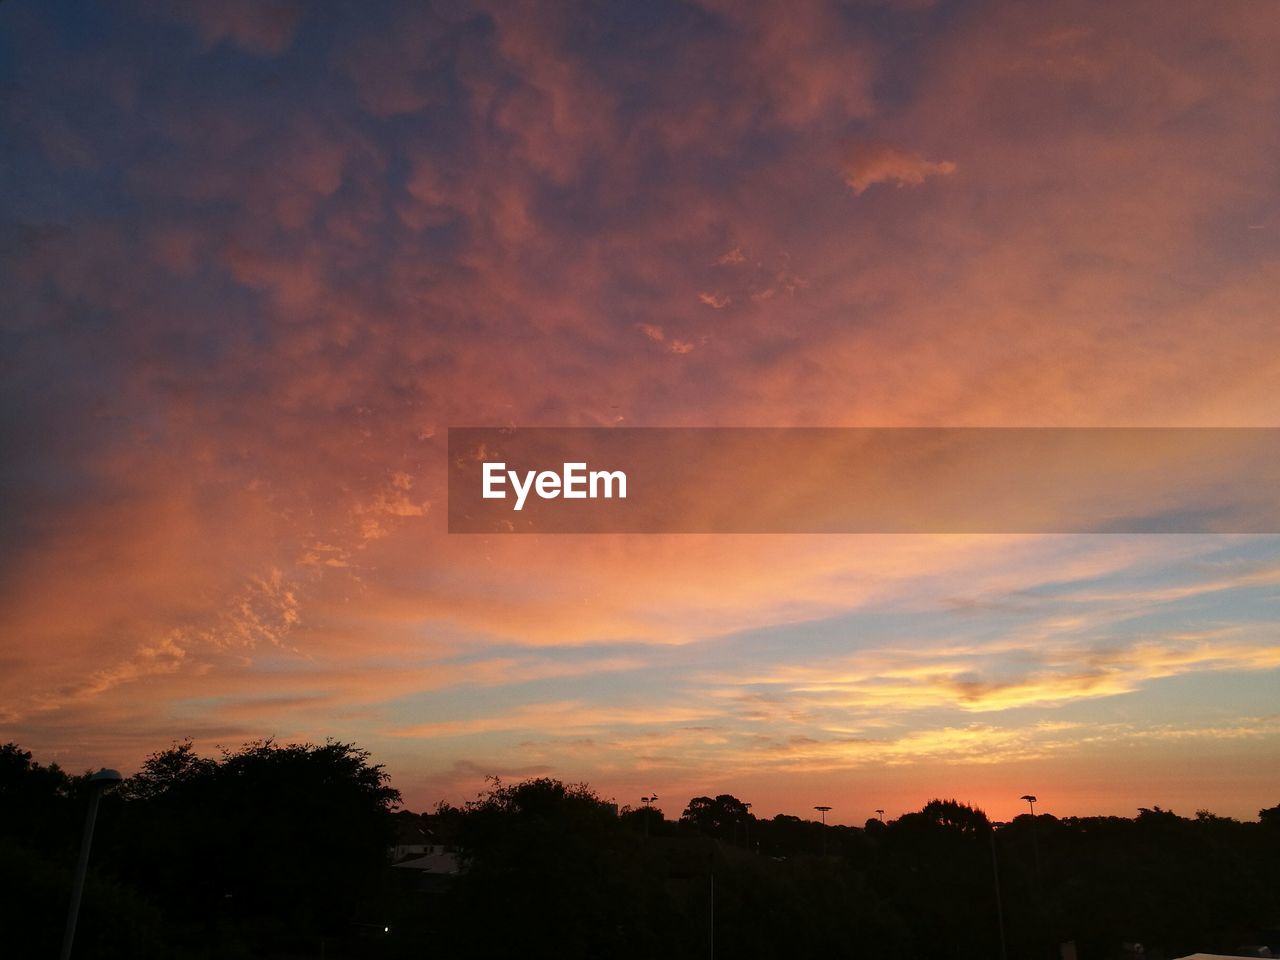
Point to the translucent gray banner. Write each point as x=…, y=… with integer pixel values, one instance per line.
x=864, y=480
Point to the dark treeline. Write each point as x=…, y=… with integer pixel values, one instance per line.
x=285, y=851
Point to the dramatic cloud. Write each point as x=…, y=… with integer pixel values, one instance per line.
x=257, y=258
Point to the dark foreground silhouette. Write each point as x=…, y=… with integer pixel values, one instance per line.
x=287, y=851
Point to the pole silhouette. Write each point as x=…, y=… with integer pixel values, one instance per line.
x=823, y=810
x=97, y=783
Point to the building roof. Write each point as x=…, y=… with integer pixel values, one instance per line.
x=440, y=863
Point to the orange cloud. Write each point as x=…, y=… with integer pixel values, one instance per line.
x=890, y=679
x=870, y=163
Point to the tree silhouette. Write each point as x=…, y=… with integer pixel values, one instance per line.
x=716, y=818
x=281, y=850
x=566, y=871
x=283, y=843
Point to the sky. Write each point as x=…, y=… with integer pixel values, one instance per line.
x=259, y=257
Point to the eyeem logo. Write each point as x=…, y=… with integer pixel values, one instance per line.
x=970, y=480
x=574, y=482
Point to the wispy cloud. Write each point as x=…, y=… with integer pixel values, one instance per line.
x=984, y=678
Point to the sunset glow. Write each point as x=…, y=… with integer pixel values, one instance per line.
x=259, y=258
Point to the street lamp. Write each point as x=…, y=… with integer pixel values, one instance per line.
x=823, y=810
x=648, y=805
x=1035, y=841
x=880, y=814
x=97, y=784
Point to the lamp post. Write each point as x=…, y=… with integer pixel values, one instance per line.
x=97, y=783
x=823, y=810
x=1035, y=842
x=880, y=814
x=648, y=804
x=1035, y=856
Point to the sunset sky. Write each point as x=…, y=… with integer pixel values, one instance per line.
x=259, y=257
